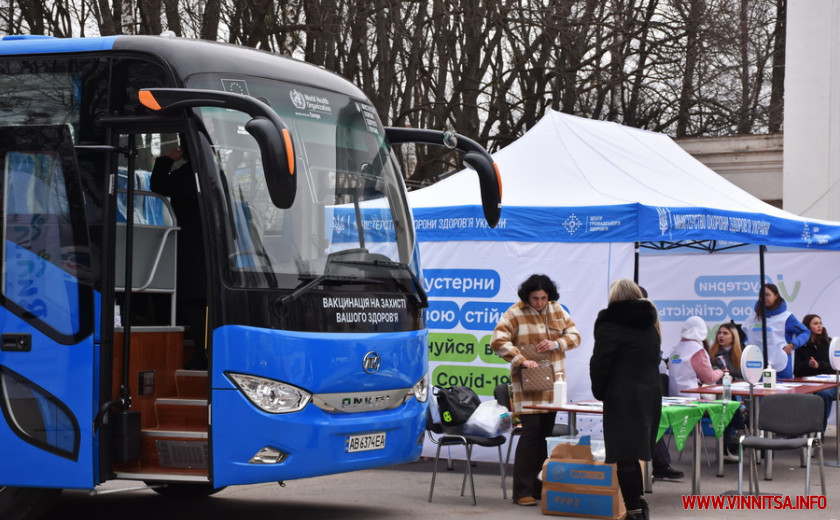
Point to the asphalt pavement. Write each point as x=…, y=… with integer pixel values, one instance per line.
x=402, y=492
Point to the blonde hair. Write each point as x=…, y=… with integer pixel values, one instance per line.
x=624, y=290
x=735, y=353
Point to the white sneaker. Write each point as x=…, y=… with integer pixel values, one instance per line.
x=729, y=457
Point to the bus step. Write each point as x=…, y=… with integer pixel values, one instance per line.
x=159, y=476
x=158, y=433
x=169, y=452
x=182, y=454
x=181, y=414
x=174, y=449
x=191, y=383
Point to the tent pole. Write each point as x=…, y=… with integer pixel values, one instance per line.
x=636, y=264
x=761, y=308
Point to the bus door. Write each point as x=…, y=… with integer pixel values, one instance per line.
x=48, y=360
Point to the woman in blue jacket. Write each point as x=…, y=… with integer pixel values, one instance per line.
x=784, y=332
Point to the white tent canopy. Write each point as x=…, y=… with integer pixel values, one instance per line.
x=577, y=195
x=571, y=179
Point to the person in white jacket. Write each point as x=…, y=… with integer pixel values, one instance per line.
x=689, y=363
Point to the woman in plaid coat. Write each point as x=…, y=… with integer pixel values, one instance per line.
x=540, y=321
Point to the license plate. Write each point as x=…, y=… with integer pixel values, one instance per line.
x=364, y=442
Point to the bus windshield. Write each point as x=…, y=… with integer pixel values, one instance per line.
x=350, y=194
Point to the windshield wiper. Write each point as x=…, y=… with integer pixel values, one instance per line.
x=321, y=279
x=422, y=297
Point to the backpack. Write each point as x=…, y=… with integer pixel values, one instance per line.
x=456, y=404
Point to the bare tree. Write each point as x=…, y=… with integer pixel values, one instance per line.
x=210, y=20
x=32, y=12
x=109, y=22
x=491, y=68
x=173, y=19
x=150, y=16
x=777, y=81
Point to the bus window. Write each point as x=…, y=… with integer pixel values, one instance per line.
x=38, y=417
x=349, y=187
x=45, y=246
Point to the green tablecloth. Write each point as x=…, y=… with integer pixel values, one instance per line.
x=681, y=419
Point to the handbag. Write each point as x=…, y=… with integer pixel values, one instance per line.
x=456, y=404
x=541, y=378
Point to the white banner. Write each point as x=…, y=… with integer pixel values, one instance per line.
x=471, y=284
x=724, y=286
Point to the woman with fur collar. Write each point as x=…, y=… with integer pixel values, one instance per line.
x=624, y=370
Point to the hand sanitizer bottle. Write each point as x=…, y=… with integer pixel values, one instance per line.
x=769, y=378
x=559, y=392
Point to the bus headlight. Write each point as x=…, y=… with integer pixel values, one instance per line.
x=420, y=390
x=269, y=395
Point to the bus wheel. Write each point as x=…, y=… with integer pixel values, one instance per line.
x=183, y=491
x=24, y=503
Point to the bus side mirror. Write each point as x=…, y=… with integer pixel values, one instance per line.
x=278, y=158
x=475, y=156
x=490, y=183
x=272, y=135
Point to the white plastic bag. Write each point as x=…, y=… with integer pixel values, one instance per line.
x=434, y=411
x=489, y=420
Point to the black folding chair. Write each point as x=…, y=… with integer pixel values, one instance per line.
x=449, y=436
x=797, y=419
x=502, y=395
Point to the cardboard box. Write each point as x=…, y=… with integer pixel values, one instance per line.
x=599, y=450
x=574, y=484
x=551, y=442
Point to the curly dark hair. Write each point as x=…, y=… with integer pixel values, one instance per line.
x=537, y=282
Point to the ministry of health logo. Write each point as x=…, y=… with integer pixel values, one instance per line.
x=572, y=224
x=806, y=234
x=664, y=219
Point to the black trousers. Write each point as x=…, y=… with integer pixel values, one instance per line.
x=631, y=483
x=661, y=455
x=192, y=314
x=531, y=453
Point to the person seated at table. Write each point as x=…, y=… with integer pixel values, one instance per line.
x=725, y=351
x=812, y=359
x=726, y=355
x=689, y=364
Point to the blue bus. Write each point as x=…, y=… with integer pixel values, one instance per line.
x=264, y=323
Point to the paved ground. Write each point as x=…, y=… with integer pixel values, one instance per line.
x=402, y=492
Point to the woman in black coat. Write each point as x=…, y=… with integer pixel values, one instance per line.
x=624, y=371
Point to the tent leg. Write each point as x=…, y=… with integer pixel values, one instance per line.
x=636, y=262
